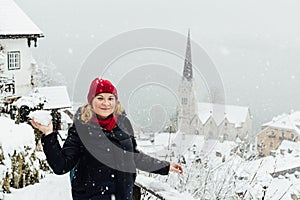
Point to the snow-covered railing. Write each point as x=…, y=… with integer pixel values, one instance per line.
x=158, y=189
x=286, y=171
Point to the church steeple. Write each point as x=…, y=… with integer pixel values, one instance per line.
x=187, y=107
x=188, y=70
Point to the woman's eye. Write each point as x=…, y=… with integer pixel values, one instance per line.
x=100, y=98
x=111, y=98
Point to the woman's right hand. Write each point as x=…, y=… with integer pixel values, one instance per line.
x=175, y=167
x=45, y=129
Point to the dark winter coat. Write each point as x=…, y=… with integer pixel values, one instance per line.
x=104, y=161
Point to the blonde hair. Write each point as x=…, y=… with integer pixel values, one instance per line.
x=87, y=111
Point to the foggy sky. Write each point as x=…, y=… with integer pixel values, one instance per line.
x=254, y=44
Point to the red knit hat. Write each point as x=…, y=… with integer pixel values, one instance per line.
x=100, y=85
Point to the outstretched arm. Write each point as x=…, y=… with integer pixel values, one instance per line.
x=147, y=163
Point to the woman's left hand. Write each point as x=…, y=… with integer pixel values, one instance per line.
x=174, y=167
x=45, y=129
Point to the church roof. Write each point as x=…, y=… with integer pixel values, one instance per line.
x=15, y=23
x=234, y=114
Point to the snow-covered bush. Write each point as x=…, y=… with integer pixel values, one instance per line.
x=20, y=163
x=46, y=74
x=220, y=174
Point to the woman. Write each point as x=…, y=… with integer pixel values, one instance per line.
x=100, y=148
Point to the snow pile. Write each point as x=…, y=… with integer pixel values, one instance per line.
x=15, y=136
x=20, y=164
x=52, y=187
x=41, y=116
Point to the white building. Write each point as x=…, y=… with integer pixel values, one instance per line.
x=227, y=122
x=17, y=34
x=214, y=121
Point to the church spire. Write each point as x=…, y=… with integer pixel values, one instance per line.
x=188, y=70
x=187, y=105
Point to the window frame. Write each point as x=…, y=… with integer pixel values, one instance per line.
x=14, y=63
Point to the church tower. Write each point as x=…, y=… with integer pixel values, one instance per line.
x=187, y=107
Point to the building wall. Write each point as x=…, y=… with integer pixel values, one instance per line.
x=247, y=129
x=211, y=130
x=270, y=138
x=197, y=126
x=23, y=75
x=187, y=106
x=244, y=131
x=225, y=130
x=229, y=131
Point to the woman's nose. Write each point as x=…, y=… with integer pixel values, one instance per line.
x=106, y=102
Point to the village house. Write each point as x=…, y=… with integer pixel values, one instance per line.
x=288, y=149
x=225, y=122
x=17, y=35
x=283, y=127
x=214, y=121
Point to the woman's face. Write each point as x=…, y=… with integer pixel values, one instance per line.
x=104, y=104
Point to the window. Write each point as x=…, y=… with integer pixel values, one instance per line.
x=282, y=136
x=13, y=60
x=261, y=141
x=271, y=134
x=184, y=101
x=292, y=136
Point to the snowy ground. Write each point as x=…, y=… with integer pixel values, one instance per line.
x=49, y=188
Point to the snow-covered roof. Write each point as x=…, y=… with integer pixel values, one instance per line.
x=14, y=22
x=286, y=122
x=182, y=143
x=32, y=101
x=290, y=148
x=57, y=97
x=283, y=188
x=234, y=114
x=268, y=165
